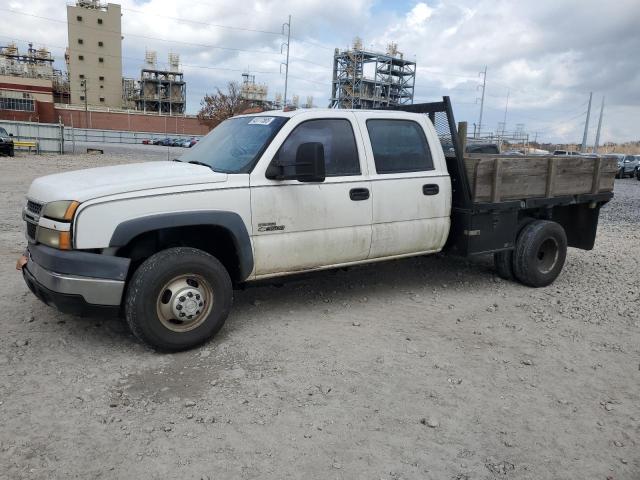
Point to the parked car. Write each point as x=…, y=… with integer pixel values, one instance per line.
x=637, y=166
x=186, y=143
x=146, y=142
x=488, y=148
x=157, y=141
x=626, y=164
x=193, y=142
x=268, y=195
x=6, y=143
x=566, y=153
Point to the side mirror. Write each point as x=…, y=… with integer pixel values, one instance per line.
x=308, y=166
x=310, y=162
x=11, y=134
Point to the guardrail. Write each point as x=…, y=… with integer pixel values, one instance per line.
x=92, y=135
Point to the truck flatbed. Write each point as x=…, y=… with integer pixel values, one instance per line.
x=494, y=197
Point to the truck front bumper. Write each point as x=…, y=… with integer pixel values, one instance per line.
x=75, y=282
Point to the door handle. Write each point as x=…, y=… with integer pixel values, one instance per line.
x=430, y=189
x=357, y=194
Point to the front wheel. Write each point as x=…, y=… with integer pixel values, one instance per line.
x=178, y=299
x=540, y=253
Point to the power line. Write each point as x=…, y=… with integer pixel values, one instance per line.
x=206, y=67
x=197, y=22
x=147, y=37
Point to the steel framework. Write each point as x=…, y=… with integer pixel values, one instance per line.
x=364, y=79
x=161, y=91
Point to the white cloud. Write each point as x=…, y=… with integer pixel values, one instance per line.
x=549, y=54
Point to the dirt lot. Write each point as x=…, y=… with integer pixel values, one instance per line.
x=423, y=368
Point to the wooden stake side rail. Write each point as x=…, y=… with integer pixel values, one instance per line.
x=500, y=178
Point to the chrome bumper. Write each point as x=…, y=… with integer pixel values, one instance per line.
x=96, y=291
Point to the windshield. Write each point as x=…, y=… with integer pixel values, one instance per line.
x=236, y=144
x=3, y=132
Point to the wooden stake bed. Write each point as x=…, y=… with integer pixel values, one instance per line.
x=499, y=178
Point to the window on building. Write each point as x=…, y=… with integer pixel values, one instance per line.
x=20, y=104
x=100, y=44
x=101, y=78
x=79, y=18
x=102, y=99
x=399, y=146
x=81, y=76
x=82, y=97
x=99, y=21
x=336, y=136
x=101, y=60
x=101, y=86
x=80, y=41
x=80, y=57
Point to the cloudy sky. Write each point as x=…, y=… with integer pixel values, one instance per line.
x=548, y=54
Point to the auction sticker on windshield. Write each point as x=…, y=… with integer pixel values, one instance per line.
x=262, y=120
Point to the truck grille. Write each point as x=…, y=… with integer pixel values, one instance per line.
x=31, y=231
x=34, y=207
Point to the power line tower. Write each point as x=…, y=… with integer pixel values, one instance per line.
x=595, y=145
x=483, y=86
x=286, y=72
x=583, y=147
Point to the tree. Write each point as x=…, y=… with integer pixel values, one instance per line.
x=221, y=105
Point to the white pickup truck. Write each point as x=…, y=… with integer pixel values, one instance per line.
x=273, y=194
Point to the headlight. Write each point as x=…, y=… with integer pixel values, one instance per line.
x=61, y=210
x=54, y=238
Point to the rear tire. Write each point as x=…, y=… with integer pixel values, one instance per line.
x=503, y=262
x=178, y=299
x=12, y=152
x=540, y=253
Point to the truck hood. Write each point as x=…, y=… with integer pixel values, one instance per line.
x=82, y=185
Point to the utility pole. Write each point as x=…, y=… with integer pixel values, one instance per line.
x=286, y=72
x=506, y=106
x=483, y=86
x=83, y=84
x=595, y=145
x=583, y=148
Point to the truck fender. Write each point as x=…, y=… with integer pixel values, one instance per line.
x=230, y=221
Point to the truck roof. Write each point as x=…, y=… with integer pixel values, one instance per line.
x=293, y=113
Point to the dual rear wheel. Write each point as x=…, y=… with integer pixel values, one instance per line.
x=539, y=255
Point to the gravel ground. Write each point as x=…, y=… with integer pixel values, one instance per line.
x=429, y=367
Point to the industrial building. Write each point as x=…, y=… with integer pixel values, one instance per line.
x=253, y=92
x=162, y=91
x=94, y=53
x=29, y=85
x=366, y=79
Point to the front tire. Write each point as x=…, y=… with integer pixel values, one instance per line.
x=540, y=253
x=178, y=298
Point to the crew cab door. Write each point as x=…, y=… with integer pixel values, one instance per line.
x=304, y=225
x=411, y=188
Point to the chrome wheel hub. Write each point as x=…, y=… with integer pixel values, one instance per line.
x=184, y=302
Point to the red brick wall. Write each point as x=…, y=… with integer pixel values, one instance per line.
x=44, y=112
x=132, y=122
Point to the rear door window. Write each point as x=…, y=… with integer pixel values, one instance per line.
x=399, y=146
